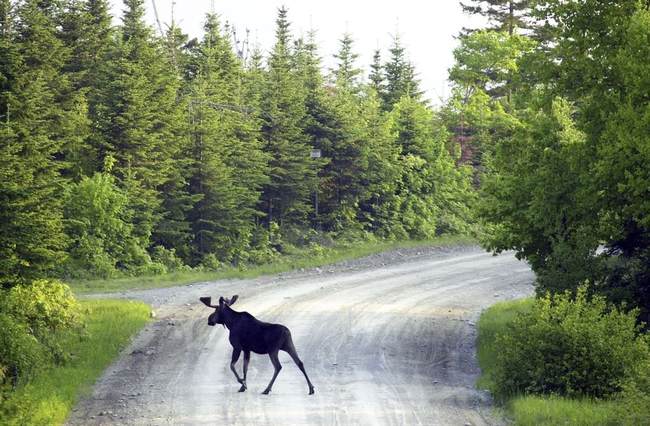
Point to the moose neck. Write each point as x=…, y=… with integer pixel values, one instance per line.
x=229, y=316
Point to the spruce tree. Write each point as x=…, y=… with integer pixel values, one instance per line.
x=346, y=74
x=254, y=80
x=229, y=166
x=141, y=124
x=400, y=77
x=33, y=133
x=344, y=145
x=503, y=15
x=286, y=198
x=376, y=77
x=381, y=177
x=86, y=31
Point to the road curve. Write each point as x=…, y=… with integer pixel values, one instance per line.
x=391, y=344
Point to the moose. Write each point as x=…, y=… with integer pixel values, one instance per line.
x=249, y=334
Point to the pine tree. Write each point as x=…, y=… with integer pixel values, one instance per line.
x=432, y=195
x=503, y=15
x=346, y=74
x=33, y=135
x=229, y=165
x=400, y=77
x=376, y=204
x=287, y=197
x=87, y=32
x=377, y=78
x=344, y=144
x=141, y=124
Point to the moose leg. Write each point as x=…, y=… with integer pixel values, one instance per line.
x=235, y=356
x=276, y=364
x=291, y=350
x=247, y=358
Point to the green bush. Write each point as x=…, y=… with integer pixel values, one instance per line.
x=29, y=319
x=101, y=237
x=575, y=347
x=20, y=353
x=634, y=400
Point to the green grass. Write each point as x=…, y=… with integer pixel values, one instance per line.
x=534, y=410
x=539, y=411
x=49, y=397
x=301, y=259
x=492, y=321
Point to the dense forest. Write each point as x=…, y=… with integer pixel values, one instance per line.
x=128, y=152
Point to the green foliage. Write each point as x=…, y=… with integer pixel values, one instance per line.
x=503, y=15
x=570, y=347
x=534, y=203
x=574, y=175
x=229, y=165
x=400, y=77
x=429, y=184
x=292, y=173
x=126, y=153
x=36, y=125
x=51, y=394
x=627, y=408
x=634, y=400
x=96, y=221
x=31, y=315
x=490, y=61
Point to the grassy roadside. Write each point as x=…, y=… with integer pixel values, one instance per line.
x=49, y=397
x=302, y=259
x=533, y=410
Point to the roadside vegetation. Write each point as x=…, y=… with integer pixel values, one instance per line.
x=552, y=97
x=564, y=360
x=47, y=390
x=298, y=258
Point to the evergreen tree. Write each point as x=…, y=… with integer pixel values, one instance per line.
x=400, y=77
x=141, y=123
x=229, y=165
x=432, y=195
x=287, y=197
x=254, y=80
x=346, y=74
x=382, y=173
x=503, y=15
x=33, y=133
x=344, y=145
x=376, y=77
x=86, y=30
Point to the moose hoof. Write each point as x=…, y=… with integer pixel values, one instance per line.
x=311, y=391
x=242, y=388
x=266, y=391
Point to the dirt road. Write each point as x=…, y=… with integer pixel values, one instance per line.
x=388, y=341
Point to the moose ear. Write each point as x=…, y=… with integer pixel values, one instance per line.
x=222, y=300
x=233, y=300
x=206, y=301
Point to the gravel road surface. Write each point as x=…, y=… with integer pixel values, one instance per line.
x=388, y=339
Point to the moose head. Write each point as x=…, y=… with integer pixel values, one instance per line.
x=217, y=317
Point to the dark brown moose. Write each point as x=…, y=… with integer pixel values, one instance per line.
x=249, y=334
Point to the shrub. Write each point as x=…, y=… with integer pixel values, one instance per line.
x=20, y=353
x=569, y=347
x=30, y=317
x=634, y=400
x=168, y=258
